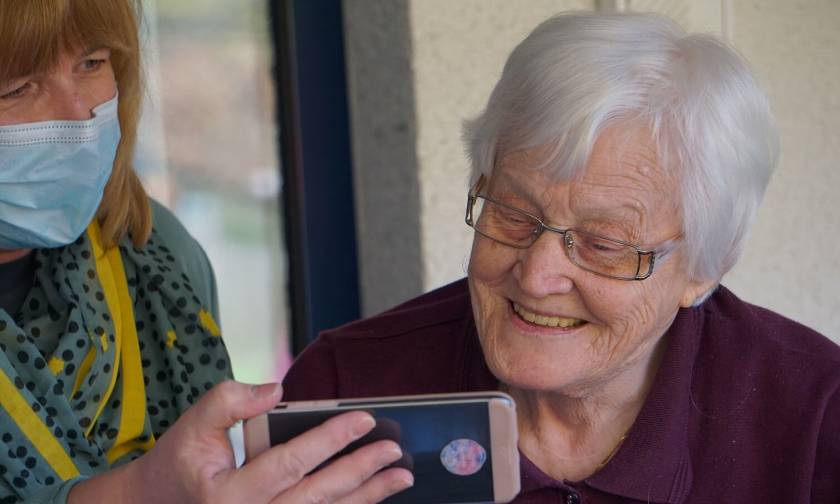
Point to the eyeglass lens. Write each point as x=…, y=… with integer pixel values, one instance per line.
x=515, y=228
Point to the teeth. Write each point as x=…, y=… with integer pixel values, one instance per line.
x=546, y=321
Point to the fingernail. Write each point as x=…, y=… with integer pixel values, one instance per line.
x=363, y=425
x=264, y=390
x=392, y=454
x=406, y=481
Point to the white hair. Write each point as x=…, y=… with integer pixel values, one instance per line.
x=577, y=74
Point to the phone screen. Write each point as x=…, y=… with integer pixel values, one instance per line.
x=446, y=446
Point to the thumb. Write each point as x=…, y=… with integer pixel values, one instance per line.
x=231, y=401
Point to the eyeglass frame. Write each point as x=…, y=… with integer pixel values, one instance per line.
x=661, y=251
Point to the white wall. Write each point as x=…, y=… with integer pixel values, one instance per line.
x=437, y=61
x=792, y=262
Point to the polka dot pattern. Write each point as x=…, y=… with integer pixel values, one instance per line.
x=65, y=329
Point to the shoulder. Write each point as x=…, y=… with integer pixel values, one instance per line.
x=760, y=390
x=826, y=485
x=765, y=332
x=760, y=373
x=416, y=347
x=176, y=237
x=756, y=349
x=187, y=252
x=439, y=307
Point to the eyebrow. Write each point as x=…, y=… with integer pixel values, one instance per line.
x=611, y=212
x=517, y=187
x=90, y=50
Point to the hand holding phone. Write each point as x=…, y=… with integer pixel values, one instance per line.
x=459, y=447
x=193, y=461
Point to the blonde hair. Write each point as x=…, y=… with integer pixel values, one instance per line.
x=33, y=33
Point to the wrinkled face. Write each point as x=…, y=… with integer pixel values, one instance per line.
x=585, y=330
x=79, y=82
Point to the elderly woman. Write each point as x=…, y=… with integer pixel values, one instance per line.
x=110, y=353
x=617, y=168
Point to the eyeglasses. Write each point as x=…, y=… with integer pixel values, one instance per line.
x=603, y=256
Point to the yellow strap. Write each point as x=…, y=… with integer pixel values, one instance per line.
x=118, y=451
x=106, y=279
x=133, y=402
x=133, y=412
x=84, y=369
x=33, y=428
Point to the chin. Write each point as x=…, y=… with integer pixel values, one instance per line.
x=529, y=365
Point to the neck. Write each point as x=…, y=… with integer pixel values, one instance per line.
x=570, y=435
x=12, y=255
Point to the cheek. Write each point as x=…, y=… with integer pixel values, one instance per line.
x=105, y=86
x=489, y=271
x=634, y=318
x=490, y=262
x=619, y=315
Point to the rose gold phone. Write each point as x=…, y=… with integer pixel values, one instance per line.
x=460, y=447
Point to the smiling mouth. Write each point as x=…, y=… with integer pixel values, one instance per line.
x=547, y=321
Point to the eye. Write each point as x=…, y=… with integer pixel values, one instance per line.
x=95, y=60
x=603, y=246
x=599, y=245
x=16, y=92
x=515, y=218
x=91, y=64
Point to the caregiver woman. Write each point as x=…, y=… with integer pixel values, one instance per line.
x=113, y=383
x=616, y=171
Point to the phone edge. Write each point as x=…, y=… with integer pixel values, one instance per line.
x=361, y=402
x=504, y=448
x=256, y=436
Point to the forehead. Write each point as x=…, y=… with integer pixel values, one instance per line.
x=622, y=180
x=35, y=33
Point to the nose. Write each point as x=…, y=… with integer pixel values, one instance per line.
x=544, y=268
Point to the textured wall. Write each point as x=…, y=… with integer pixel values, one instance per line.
x=792, y=263
x=384, y=130
x=454, y=52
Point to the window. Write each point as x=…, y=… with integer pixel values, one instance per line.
x=207, y=150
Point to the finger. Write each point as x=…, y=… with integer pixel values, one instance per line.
x=343, y=476
x=231, y=401
x=379, y=487
x=283, y=466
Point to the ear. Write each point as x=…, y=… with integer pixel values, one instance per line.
x=694, y=290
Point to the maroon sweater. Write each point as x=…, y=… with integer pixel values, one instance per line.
x=744, y=408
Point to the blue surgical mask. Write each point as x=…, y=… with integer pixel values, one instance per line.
x=52, y=176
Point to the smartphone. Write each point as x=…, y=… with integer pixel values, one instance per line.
x=460, y=447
